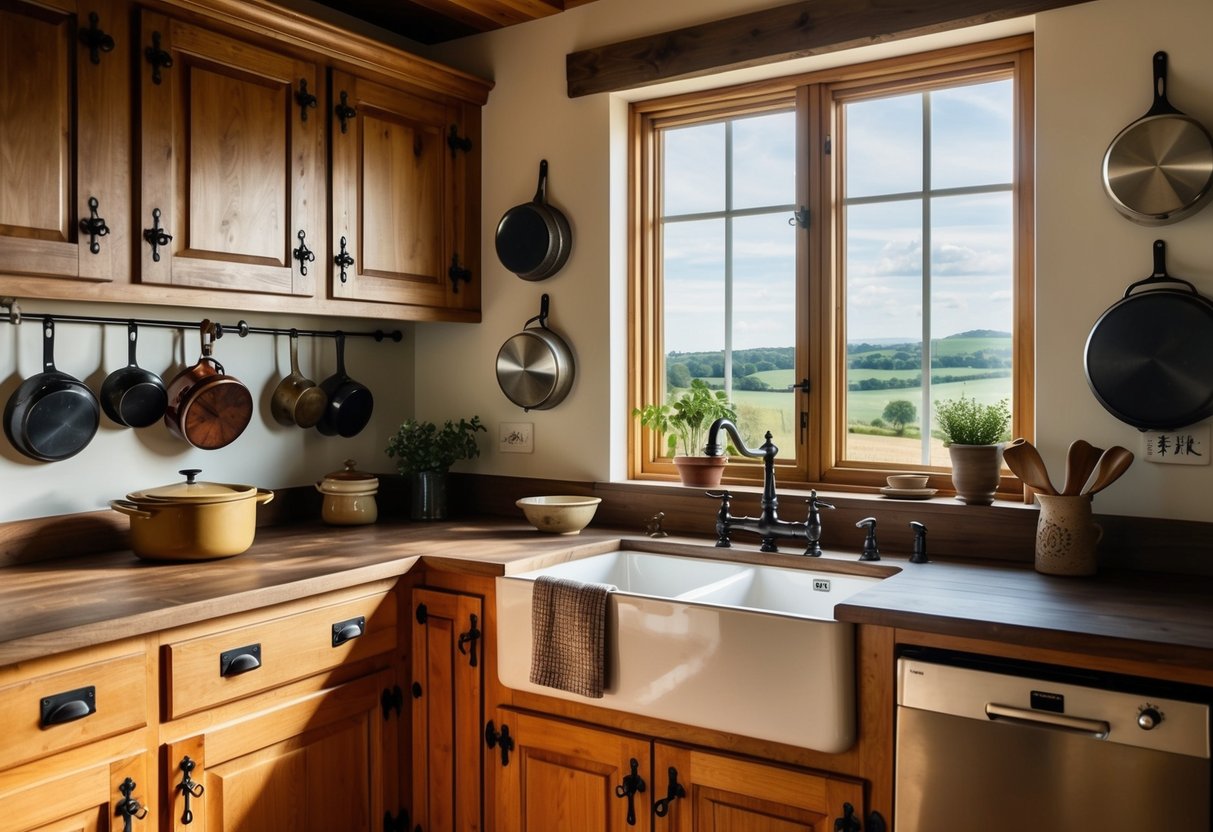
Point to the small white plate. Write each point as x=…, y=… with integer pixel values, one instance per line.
x=909, y=493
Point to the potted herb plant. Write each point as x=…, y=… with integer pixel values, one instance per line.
x=424, y=453
x=972, y=433
x=684, y=423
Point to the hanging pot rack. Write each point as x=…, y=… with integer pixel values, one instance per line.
x=14, y=315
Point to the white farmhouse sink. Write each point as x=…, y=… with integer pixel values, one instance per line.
x=748, y=649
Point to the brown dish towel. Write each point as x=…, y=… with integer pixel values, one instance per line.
x=568, y=629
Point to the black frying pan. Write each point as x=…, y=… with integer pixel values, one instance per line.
x=52, y=415
x=132, y=396
x=534, y=239
x=350, y=402
x=1149, y=357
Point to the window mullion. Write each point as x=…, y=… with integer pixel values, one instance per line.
x=728, y=259
x=925, y=411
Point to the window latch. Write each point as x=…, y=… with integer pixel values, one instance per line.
x=802, y=385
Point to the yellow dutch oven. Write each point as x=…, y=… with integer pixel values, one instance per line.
x=192, y=520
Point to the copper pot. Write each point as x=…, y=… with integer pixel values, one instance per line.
x=206, y=407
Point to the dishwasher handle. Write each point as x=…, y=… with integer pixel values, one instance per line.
x=1094, y=727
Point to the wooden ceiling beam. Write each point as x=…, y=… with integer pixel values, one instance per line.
x=796, y=30
x=485, y=15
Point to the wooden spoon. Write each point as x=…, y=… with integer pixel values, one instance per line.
x=1112, y=463
x=1081, y=460
x=1024, y=461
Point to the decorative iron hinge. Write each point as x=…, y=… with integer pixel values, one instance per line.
x=96, y=40
x=304, y=99
x=392, y=700
x=456, y=142
x=157, y=57
x=457, y=273
x=502, y=740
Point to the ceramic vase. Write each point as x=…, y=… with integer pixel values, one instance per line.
x=428, y=495
x=976, y=470
x=1066, y=536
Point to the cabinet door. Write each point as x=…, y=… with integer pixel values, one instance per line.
x=232, y=162
x=447, y=693
x=83, y=799
x=396, y=185
x=314, y=764
x=561, y=775
x=727, y=793
x=64, y=139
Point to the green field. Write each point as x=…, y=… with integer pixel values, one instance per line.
x=865, y=405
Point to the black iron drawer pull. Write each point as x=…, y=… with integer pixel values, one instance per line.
x=348, y=630
x=240, y=660
x=68, y=706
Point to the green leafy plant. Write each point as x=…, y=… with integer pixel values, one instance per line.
x=687, y=418
x=964, y=421
x=422, y=446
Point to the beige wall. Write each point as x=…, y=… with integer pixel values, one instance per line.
x=1093, y=65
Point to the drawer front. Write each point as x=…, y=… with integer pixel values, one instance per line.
x=45, y=714
x=228, y=665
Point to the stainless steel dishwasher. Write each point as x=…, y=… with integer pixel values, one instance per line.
x=979, y=748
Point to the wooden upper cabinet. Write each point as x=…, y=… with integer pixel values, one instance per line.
x=232, y=161
x=64, y=138
x=400, y=197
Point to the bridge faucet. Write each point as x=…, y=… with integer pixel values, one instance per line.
x=767, y=524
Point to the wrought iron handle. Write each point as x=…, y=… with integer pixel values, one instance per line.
x=848, y=822
x=674, y=791
x=304, y=99
x=129, y=808
x=188, y=788
x=457, y=273
x=493, y=739
x=800, y=217
x=632, y=785
x=157, y=57
x=303, y=254
x=470, y=637
x=95, y=39
x=343, y=260
x=348, y=630
x=392, y=699
x=68, y=706
x=156, y=236
x=344, y=111
x=239, y=660
x=94, y=226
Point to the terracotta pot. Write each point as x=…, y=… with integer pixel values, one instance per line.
x=701, y=471
x=976, y=470
x=192, y=520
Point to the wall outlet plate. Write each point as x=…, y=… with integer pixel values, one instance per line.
x=1187, y=446
x=516, y=437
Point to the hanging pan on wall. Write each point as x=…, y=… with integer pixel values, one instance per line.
x=1159, y=169
x=1149, y=357
x=535, y=367
x=534, y=239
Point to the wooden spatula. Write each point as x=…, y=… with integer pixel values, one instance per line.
x=1080, y=462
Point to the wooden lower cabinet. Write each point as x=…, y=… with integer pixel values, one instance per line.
x=87, y=797
x=565, y=775
x=314, y=763
x=447, y=692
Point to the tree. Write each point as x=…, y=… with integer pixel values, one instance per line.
x=677, y=375
x=900, y=412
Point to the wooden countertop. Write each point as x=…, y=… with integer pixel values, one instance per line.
x=60, y=605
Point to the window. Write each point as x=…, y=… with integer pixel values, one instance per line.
x=839, y=252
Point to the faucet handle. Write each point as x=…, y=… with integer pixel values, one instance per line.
x=870, y=552
x=919, y=552
x=815, y=503
x=720, y=495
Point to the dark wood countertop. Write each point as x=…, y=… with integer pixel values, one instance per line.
x=59, y=605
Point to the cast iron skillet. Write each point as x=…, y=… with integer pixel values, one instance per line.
x=52, y=415
x=1149, y=357
x=534, y=239
x=132, y=396
x=350, y=402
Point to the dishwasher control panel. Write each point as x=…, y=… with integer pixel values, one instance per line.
x=1157, y=723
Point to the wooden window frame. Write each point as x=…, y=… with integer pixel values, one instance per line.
x=819, y=302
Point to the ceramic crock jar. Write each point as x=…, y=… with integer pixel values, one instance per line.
x=349, y=497
x=192, y=520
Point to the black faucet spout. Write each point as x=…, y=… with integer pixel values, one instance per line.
x=767, y=524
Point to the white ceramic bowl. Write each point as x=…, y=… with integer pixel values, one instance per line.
x=559, y=514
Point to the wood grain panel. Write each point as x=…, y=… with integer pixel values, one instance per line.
x=795, y=30
x=79, y=799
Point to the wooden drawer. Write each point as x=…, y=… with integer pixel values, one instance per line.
x=264, y=654
x=114, y=691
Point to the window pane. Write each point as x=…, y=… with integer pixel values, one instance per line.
x=972, y=261
x=764, y=161
x=764, y=329
x=971, y=140
x=884, y=332
x=693, y=170
x=884, y=146
x=693, y=299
